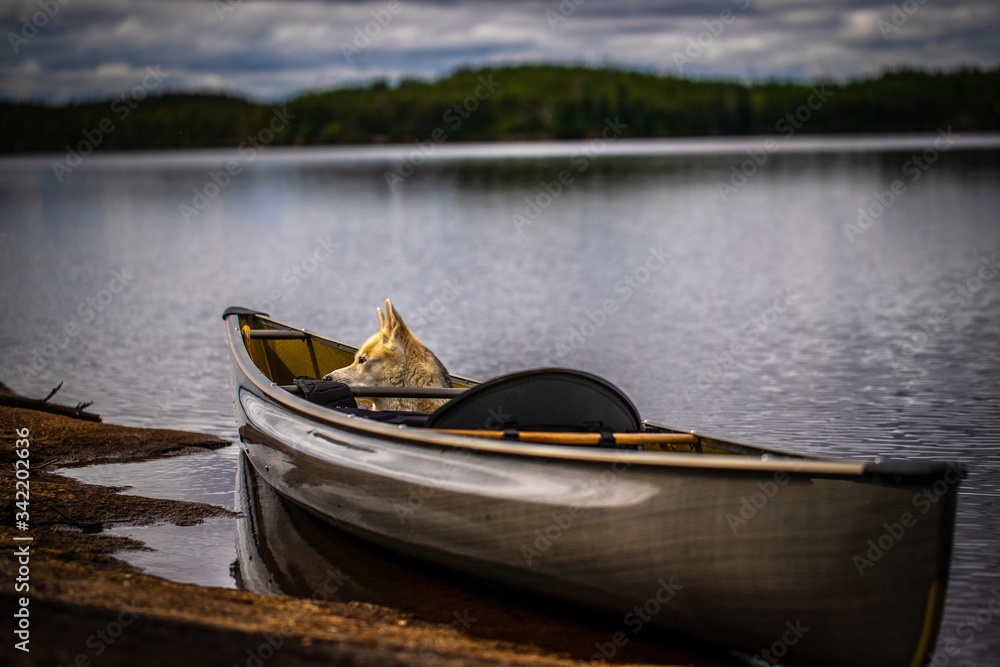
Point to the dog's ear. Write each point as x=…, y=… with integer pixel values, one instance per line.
x=394, y=325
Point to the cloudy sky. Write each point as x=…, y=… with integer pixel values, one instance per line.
x=57, y=50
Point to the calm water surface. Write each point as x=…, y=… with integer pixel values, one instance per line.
x=749, y=311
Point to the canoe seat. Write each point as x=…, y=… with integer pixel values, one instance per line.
x=543, y=399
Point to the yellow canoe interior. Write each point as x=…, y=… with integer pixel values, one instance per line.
x=283, y=359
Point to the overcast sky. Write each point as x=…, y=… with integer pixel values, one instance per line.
x=268, y=49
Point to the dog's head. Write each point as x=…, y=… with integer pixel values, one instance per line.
x=384, y=359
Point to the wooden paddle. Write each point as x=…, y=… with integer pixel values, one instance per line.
x=561, y=438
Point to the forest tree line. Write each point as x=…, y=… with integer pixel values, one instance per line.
x=515, y=103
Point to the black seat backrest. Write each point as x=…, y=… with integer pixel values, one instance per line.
x=544, y=399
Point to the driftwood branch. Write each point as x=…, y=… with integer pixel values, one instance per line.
x=15, y=401
x=52, y=393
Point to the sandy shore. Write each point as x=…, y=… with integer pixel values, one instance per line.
x=87, y=607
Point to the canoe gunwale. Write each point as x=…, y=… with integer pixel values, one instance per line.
x=748, y=458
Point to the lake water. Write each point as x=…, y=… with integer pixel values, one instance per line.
x=763, y=306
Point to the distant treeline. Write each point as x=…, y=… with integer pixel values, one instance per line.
x=528, y=102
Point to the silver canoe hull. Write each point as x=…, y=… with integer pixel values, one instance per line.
x=807, y=561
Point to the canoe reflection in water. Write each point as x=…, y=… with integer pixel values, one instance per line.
x=282, y=549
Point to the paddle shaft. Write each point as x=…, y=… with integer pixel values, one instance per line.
x=557, y=438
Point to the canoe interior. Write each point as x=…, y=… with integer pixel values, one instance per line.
x=282, y=360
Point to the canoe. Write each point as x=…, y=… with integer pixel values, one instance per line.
x=547, y=481
x=282, y=549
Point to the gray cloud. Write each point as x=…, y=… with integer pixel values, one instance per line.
x=268, y=49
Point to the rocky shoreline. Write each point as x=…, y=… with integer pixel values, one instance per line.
x=83, y=606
